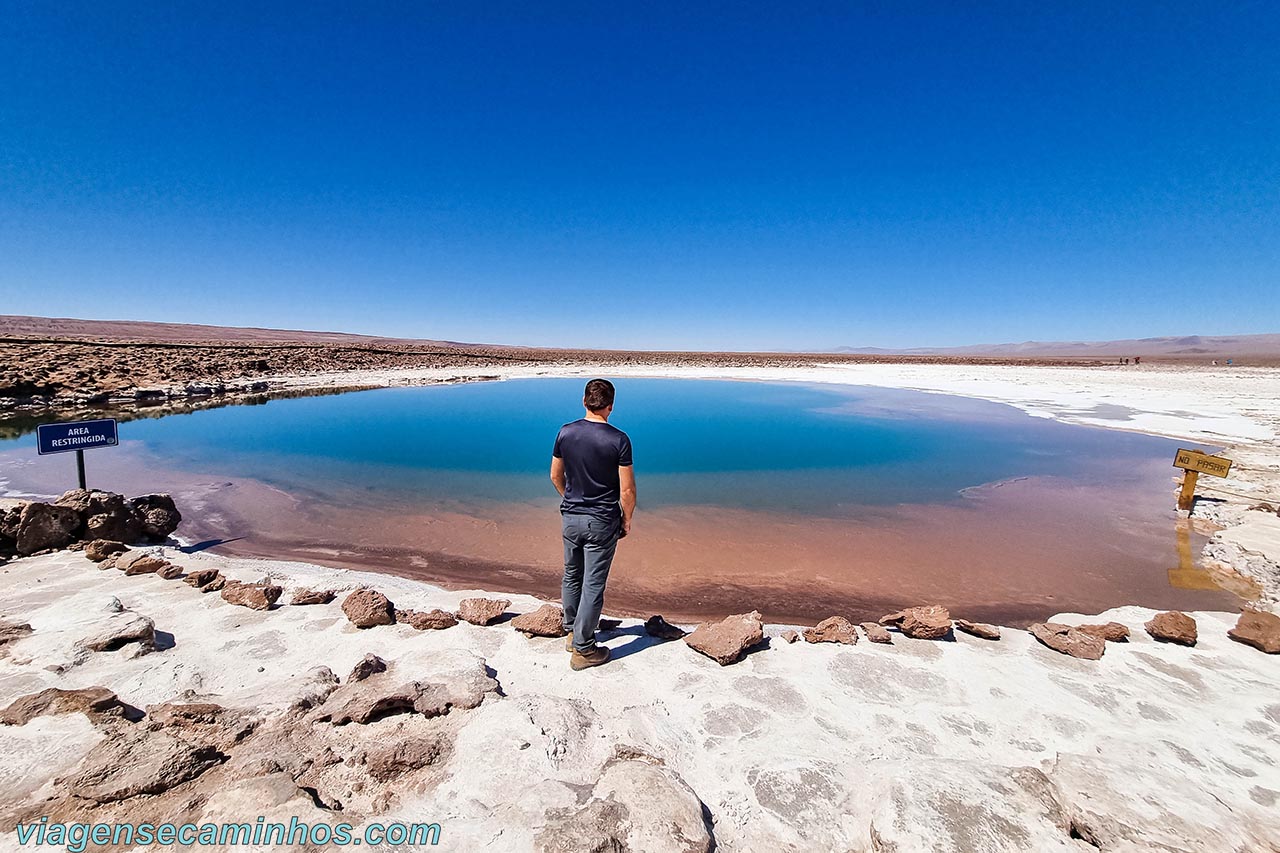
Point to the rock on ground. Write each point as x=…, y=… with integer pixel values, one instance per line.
x=877, y=633
x=94, y=702
x=312, y=596
x=120, y=629
x=834, y=629
x=45, y=526
x=1112, y=632
x=656, y=626
x=931, y=622
x=546, y=621
x=157, y=515
x=482, y=611
x=369, y=665
x=255, y=596
x=368, y=607
x=137, y=761
x=727, y=640
x=11, y=632
x=1258, y=629
x=431, y=620
x=201, y=578
x=1173, y=627
x=1069, y=641
x=99, y=549
x=978, y=629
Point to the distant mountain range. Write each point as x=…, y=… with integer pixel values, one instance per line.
x=1189, y=345
x=1226, y=346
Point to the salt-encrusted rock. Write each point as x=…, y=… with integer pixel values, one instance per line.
x=158, y=516
x=1069, y=641
x=726, y=641
x=119, y=630
x=378, y=696
x=431, y=620
x=369, y=665
x=99, y=549
x=312, y=596
x=931, y=622
x=255, y=596
x=201, y=577
x=11, y=632
x=789, y=636
x=482, y=611
x=1173, y=626
x=139, y=563
x=546, y=621
x=392, y=760
x=138, y=761
x=1112, y=632
x=205, y=723
x=834, y=629
x=368, y=607
x=94, y=702
x=635, y=805
x=1258, y=629
x=877, y=633
x=979, y=629
x=44, y=526
x=656, y=626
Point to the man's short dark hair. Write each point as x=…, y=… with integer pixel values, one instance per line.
x=599, y=395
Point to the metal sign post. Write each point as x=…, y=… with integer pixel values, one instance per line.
x=1193, y=463
x=79, y=436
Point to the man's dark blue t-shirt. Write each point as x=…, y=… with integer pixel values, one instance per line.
x=592, y=453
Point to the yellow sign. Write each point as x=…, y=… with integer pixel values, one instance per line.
x=1194, y=460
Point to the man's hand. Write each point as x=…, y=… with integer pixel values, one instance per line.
x=626, y=527
x=627, y=500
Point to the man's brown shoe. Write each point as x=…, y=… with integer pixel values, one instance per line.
x=568, y=642
x=593, y=657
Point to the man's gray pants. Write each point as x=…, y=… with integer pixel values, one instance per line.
x=589, y=543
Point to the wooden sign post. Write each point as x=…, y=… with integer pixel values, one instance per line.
x=1193, y=463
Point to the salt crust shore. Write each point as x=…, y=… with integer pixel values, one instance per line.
x=922, y=745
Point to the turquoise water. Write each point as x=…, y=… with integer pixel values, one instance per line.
x=775, y=446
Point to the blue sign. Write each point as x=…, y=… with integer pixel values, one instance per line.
x=83, y=435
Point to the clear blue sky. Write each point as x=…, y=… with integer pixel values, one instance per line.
x=701, y=175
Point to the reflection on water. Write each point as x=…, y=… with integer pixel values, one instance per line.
x=1190, y=575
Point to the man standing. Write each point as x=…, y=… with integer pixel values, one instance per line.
x=591, y=469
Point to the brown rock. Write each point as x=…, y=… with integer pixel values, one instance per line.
x=157, y=515
x=43, y=526
x=140, y=563
x=312, y=596
x=204, y=723
x=979, y=629
x=877, y=633
x=727, y=640
x=369, y=665
x=1069, y=641
x=931, y=622
x=546, y=621
x=1258, y=629
x=789, y=636
x=432, y=620
x=656, y=626
x=834, y=629
x=99, y=549
x=482, y=611
x=372, y=699
x=1112, y=632
x=201, y=577
x=216, y=584
x=367, y=607
x=169, y=572
x=109, y=562
x=94, y=702
x=255, y=596
x=103, y=515
x=1173, y=626
x=609, y=624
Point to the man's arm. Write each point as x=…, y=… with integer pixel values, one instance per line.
x=627, y=484
x=557, y=474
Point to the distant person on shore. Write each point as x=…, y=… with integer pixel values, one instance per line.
x=591, y=469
